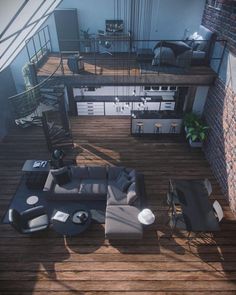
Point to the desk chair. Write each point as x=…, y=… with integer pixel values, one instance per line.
x=106, y=44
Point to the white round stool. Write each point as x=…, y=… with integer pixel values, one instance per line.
x=146, y=217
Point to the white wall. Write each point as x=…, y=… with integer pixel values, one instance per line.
x=169, y=20
x=170, y=17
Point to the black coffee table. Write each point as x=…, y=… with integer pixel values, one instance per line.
x=69, y=228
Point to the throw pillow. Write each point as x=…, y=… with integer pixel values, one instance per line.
x=61, y=176
x=132, y=175
x=123, y=182
x=131, y=194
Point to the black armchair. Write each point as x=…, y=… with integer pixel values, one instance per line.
x=29, y=221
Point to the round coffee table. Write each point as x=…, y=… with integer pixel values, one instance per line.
x=69, y=228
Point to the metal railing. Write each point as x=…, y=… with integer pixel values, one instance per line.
x=25, y=103
x=167, y=53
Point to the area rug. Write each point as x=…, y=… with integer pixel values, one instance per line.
x=18, y=202
x=97, y=208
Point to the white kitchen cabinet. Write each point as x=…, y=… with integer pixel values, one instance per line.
x=90, y=108
x=167, y=106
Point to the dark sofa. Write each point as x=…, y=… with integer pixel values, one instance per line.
x=119, y=187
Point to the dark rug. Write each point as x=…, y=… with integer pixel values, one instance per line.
x=147, y=68
x=18, y=202
x=97, y=208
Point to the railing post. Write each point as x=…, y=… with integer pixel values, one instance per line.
x=61, y=64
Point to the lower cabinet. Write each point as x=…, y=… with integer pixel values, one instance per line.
x=90, y=108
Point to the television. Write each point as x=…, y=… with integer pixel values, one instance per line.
x=114, y=26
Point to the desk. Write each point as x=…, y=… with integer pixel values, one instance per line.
x=119, y=42
x=197, y=210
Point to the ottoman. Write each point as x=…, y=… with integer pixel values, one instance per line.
x=122, y=222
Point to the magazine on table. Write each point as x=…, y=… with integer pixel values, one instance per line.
x=39, y=164
x=60, y=216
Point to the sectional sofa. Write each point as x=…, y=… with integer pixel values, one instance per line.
x=119, y=187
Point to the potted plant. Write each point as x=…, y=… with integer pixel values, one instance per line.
x=189, y=120
x=196, y=134
x=86, y=40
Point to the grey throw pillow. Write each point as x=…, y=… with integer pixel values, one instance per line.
x=123, y=181
x=131, y=194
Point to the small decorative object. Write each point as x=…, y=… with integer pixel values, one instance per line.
x=146, y=217
x=32, y=200
x=80, y=217
x=58, y=156
x=61, y=216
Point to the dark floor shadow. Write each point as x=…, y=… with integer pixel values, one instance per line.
x=87, y=242
x=93, y=150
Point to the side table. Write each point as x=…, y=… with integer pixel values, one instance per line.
x=35, y=176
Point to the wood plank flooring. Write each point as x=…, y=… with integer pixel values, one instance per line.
x=89, y=264
x=123, y=68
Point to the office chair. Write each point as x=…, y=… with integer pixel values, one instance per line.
x=106, y=44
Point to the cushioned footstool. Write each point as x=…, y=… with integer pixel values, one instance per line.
x=122, y=222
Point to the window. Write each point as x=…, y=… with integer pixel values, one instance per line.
x=214, y=3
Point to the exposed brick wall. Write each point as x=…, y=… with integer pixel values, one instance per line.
x=220, y=147
x=222, y=21
x=220, y=108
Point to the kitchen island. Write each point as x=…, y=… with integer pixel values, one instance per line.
x=152, y=122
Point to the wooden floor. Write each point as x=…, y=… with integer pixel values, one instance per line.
x=88, y=264
x=123, y=68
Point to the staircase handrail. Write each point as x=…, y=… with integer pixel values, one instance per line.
x=39, y=84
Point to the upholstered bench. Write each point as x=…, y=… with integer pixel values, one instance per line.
x=122, y=222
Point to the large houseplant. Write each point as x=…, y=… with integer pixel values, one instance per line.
x=196, y=134
x=190, y=119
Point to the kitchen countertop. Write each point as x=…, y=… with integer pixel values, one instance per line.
x=121, y=99
x=156, y=115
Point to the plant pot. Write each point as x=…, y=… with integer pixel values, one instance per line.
x=195, y=144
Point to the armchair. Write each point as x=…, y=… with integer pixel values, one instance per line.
x=29, y=221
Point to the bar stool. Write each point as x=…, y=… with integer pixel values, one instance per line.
x=173, y=127
x=157, y=128
x=139, y=128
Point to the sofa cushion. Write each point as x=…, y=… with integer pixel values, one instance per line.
x=115, y=196
x=114, y=172
x=69, y=188
x=61, y=176
x=93, y=186
x=97, y=172
x=131, y=194
x=123, y=182
x=122, y=222
x=79, y=172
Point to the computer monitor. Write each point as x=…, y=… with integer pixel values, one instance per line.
x=114, y=26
